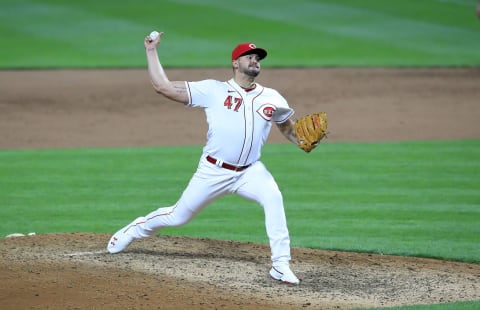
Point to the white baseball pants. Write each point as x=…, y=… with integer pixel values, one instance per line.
x=210, y=182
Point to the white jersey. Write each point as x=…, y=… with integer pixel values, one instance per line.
x=239, y=121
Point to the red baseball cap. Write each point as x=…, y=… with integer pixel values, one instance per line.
x=248, y=48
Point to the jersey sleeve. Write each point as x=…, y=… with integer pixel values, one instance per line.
x=199, y=92
x=282, y=111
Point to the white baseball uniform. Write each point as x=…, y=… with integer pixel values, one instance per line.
x=239, y=123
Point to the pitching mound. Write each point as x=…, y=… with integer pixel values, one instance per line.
x=74, y=271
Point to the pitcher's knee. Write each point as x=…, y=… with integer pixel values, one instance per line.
x=167, y=217
x=272, y=204
x=179, y=221
x=273, y=197
x=179, y=216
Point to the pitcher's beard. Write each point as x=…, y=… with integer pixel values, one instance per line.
x=252, y=72
x=249, y=70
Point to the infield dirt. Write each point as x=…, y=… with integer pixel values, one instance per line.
x=118, y=108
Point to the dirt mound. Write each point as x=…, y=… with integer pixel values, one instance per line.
x=74, y=271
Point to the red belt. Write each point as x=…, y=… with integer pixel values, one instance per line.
x=225, y=165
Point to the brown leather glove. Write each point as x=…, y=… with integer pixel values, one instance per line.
x=310, y=129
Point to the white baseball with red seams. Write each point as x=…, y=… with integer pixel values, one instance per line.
x=153, y=35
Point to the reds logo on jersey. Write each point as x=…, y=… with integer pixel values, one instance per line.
x=266, y=111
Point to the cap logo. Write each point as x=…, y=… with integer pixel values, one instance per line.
x=252, y=46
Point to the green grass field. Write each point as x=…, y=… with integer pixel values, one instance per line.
x=87, y=34
x=449, y=306
x=416, y=198
x=405, y=198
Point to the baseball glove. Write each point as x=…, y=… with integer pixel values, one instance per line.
x=310, y=129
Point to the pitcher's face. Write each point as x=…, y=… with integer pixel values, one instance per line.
x=249, y=65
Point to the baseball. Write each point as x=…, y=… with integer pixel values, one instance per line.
x=153, y=35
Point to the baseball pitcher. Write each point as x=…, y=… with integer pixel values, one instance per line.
x=240, y=113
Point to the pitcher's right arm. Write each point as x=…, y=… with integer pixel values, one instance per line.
x=176, y=90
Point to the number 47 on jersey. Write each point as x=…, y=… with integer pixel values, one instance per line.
x=231, y=101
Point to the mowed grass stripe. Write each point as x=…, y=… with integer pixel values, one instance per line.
x=92, y=34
